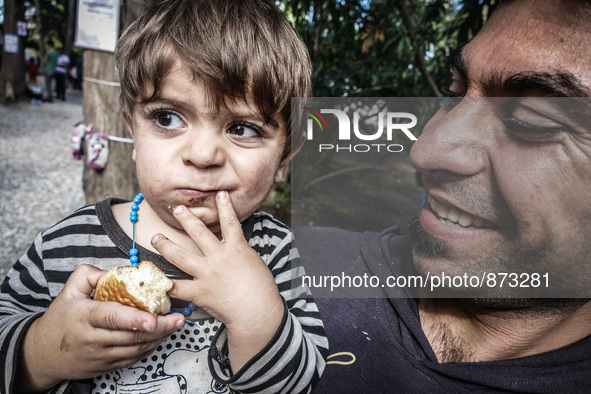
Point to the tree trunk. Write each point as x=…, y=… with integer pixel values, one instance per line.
x=39, y=29
x=419, y=62
x=70, y=26
x=103, y=111
x=12, y=71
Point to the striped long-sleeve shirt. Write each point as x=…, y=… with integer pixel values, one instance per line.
x=191, y=360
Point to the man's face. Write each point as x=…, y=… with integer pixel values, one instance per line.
x=509, y=192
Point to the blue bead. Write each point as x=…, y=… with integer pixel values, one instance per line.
x=134, y=264
x=135, y=207
x=192, y=306
x=141, y=195
x=134, y=259
x=138, y=199
x=133, y=220
x=186, y=311
x=133, y=252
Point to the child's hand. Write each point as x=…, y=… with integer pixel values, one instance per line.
x=80, y=338
x=231, y=282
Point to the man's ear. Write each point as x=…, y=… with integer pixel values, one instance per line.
x=296, y=147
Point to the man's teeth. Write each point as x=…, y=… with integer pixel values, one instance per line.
x=452, y=217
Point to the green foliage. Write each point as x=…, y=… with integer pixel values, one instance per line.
x=363, y=48
x=53, y=22
x=366, y=48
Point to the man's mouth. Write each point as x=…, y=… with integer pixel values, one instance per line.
x=453, y=217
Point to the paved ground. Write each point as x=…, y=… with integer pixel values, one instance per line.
x=40, y=183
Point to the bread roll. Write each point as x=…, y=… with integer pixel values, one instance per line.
x=143, y=287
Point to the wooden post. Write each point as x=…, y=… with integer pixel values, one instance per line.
x=103, y=111
x=12, y=71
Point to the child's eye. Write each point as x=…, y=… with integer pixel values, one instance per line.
x=168, y=120
x=245, y=130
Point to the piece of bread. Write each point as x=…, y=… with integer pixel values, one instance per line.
x=143, y=287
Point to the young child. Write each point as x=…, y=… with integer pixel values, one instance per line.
x=206, y=89
x=32, y=71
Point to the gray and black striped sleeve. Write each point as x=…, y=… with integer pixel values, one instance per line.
x=24, y=296
x=38, y=276
x=294, y=359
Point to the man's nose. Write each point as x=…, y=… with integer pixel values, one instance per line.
x=456, y=140
x=204, y=149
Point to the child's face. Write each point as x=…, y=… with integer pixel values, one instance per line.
x=186, y=151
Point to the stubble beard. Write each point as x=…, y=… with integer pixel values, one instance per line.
x=424, y=246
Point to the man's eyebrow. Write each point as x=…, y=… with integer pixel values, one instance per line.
x=457, y=63
x=548, y=84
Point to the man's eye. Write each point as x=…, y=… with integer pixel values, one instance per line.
x=448, y=93
x=168, y=120
x=244, y=130
x=530, y=132
x=450, y=100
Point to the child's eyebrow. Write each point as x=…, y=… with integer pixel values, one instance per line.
x=212, y=110
x=253, y=115
x=165, y=101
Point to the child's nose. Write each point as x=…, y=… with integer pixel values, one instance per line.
x=204, y=151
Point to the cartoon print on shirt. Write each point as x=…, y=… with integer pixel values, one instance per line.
x=183, y=371
x=178, y=365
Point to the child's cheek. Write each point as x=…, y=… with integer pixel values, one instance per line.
x=260, y=181
x=149, y=172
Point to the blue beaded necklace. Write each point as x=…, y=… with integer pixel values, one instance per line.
x=134, y=259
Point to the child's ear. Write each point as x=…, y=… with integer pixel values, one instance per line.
x=281, y=169
x=283, y=165
x=296, y=147
x=128, y=121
